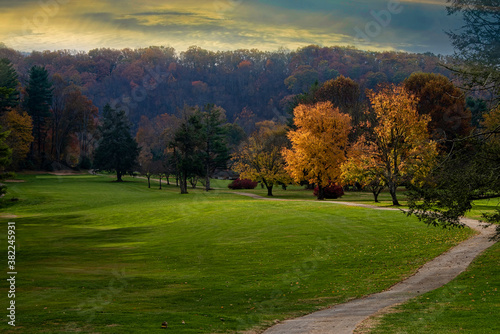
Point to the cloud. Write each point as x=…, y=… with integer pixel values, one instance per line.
x=224, y=24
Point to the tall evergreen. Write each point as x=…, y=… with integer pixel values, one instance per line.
x=215, y=149
x=38, y=101
x=117, y=151
x=9, y=94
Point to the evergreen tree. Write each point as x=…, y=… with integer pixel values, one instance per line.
x=117, y=150
x=215, y=148
x=9, y=95
x=38, y=101
x=186, y=146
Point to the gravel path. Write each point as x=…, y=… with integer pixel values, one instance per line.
x=343, y=318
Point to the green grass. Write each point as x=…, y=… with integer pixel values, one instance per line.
x=99, y=256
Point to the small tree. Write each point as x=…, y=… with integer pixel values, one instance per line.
x=364, y=167
x=260, y=157
x=318, y=145
x=117, y=149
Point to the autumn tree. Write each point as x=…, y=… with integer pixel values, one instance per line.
x=153, y=137
x=117, y=150
x=260, y=156
x=318, y=144
x=443, y=102
x=72, y=113
x=20, y=127
x=38, y=102
x=400, y=148
x=363, y=166
x=471, y=170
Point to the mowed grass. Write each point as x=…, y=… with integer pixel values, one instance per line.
x=95, y=256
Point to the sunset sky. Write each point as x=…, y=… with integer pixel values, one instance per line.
x=411, y=25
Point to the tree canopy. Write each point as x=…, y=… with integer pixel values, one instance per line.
x=318, y=144
x=117, y=149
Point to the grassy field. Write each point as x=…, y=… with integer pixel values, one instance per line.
x=99, y=256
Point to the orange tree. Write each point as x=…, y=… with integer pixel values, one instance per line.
x=318, y=144
x=400, y=150
x=260, y=159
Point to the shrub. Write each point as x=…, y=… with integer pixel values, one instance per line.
x=332, y=191
x=242, y=184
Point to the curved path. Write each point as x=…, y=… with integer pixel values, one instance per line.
x=343, y=318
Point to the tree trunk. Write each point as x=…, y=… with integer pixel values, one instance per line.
x=149, y=182
x=321, y=192
x=269, y=188
x=207, y=178
x=160, y=182
x=392, y=191
x=375, y=195
x=118, y=176
x=183, y=183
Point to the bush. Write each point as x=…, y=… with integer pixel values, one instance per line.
x=332, y=191
x=242, y=184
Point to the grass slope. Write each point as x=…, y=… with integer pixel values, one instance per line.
x=98, y=256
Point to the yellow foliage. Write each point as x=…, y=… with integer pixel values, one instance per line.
x=319, y=143
x=20, y=125
x=260, y=159
x=400, y=150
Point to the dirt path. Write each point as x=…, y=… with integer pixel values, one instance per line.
x=343, y=318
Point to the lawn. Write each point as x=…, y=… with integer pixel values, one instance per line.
x=99, y=256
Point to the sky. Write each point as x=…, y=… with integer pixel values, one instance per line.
x=82, y=25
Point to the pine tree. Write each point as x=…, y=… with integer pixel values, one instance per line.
x=9, y=94
x=38, y=101
x=117, y=150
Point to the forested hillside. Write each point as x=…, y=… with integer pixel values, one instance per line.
x=248, y=84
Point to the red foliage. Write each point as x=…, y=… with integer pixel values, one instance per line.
x=242, y=184
x=332, y=191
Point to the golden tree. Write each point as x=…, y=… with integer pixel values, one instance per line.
x=260, y=158
x=20, y=137
x=400, y=150
x=318, y=145
x=363, y=166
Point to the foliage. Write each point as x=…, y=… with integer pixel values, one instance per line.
x=9, y=93
x=400, y=149
x=318, y=144
x=20, y=127
x=364, y=166
x=260, y=157
x=215, y=148
x=186, y=145
x=331, y=191
x=117, y=150
x=444, y=103
x=242, y=184
x=38, y=102
x=476, y=44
